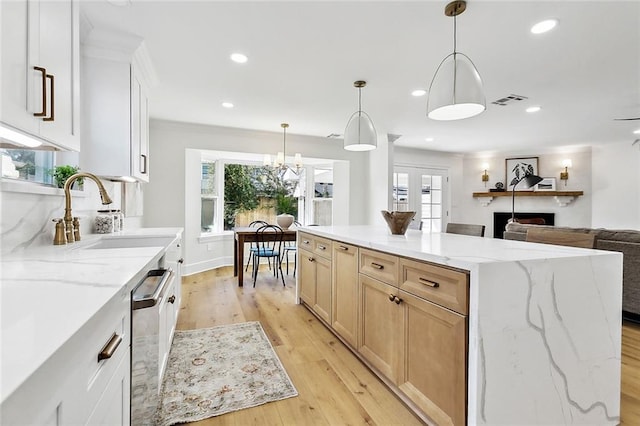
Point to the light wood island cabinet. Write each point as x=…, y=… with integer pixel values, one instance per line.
x=406, y=319
x=315, y=275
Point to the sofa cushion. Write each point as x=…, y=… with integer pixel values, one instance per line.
x=630, y=272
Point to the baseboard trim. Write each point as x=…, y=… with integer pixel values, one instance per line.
x=195, y=268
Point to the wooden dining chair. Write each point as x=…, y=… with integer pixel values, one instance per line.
x=269, y=242
x=561, y=238
x=465, y=229
x=254, y=246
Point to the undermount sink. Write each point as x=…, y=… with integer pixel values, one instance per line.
x=124, y=242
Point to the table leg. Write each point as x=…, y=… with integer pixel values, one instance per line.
x=239, y=260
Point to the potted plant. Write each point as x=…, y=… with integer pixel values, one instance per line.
x=286, y=209
x=62, y=173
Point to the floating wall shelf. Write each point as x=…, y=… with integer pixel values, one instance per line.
x=563, y=198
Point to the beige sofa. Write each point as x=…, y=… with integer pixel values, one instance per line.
x=625, y=241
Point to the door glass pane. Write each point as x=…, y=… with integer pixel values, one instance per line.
x=436, y=225
x=401, y=191
x=436, y=197
x=436, y=211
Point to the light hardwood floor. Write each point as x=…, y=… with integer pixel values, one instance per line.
x=334, y=387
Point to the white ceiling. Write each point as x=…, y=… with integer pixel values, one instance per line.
x=305, y=55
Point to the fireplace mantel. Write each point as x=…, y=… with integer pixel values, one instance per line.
x=563, y=198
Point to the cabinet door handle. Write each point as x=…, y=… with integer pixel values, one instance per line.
x=52, y=101
x=171, y=299
x=310, y=259
x=42, y=113
x=429, y=282
x=343, y=248
x=377, y=265
x=397, y=300
x=392, y=297
x=181, y=260
x=143, y=165
x=321, y=247
x=109, y=349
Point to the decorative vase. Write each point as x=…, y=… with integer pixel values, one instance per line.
x=284, y=221
x=398, y=222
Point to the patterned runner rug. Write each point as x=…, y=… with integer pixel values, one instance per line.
x=212, y=371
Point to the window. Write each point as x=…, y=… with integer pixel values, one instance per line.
x=28, y=165
x=208, y=196
x=421, y=190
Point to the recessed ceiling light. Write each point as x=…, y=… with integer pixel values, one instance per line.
x=429, y=139
x=239, y=58
x=227, y=104
x=419, y=92
x=544, y=26
x=636, y=132
x=533, y=109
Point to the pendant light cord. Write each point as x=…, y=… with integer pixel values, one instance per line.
x=359, y=102
x=455, y=62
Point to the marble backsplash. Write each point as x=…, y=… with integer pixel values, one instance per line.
x=28, y=212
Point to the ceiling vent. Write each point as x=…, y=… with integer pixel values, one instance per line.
x=334, y=136
x=507, y=100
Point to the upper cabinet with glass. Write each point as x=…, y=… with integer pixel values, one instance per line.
x=116, y=76
x=40, y=88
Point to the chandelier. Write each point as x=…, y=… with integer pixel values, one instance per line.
x=280, y=163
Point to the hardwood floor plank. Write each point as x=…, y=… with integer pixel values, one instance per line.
x=334, y=387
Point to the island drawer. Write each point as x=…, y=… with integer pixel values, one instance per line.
x=381, y=266
x=443, y=286
x=322, y=247
x=305, y=241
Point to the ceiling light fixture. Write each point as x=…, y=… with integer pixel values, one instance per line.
x=281, y=158
x=227, y=104
x=429, y=139
x=544, y=26
x=533, y=109
x=456, y=90
x=360, y=134
x=636, y=132
x=239, y=58
x=419, y=92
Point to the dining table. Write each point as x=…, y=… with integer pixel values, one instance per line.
x=247, y=234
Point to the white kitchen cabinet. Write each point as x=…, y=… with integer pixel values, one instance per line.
x=116, y=76
x=74, y=385
x=40, y=70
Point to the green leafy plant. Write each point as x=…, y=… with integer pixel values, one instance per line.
x=62, y=173
x=286, y=204
x=239, y=192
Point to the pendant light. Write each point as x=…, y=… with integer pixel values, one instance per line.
x=456, y=89
x=360, y=134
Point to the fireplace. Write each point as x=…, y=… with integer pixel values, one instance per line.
x=500, y=220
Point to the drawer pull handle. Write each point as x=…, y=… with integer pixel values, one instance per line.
x=343, y=248
x=305, y=241
x=110, y=348
x=392, y=297
x=321, y=247
x=171, y=299
x=42, y=113
x=53, y=100
x=430, y=283
x=397, y=300
x=377, y=265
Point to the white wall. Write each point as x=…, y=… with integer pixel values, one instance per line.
x=379, y=180
x=616, y=186
x=166, y=202
x=576, y=214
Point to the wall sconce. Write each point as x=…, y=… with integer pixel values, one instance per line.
x=565, y=175
x=485, y=176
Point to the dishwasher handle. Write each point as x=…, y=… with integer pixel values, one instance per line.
x=148, y=292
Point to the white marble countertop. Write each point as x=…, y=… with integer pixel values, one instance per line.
x=48, y=293
x=458, y=251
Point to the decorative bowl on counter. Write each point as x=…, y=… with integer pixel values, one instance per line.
x=398, y=222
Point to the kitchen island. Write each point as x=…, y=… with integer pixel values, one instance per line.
x=537, y=327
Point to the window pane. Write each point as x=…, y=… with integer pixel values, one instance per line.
x=436, y=182
x=426, y=211
x=401, y=191
x=29, y=165
x=436, y=225
x=437, y=197
x=208, y=213
x=436, y=210
x=208, y=180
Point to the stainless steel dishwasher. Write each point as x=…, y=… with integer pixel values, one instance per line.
x=146, y=300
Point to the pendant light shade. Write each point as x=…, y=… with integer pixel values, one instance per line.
x=360, y=133
x=456, y=90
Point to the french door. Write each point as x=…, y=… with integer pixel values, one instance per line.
x=422, y=190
